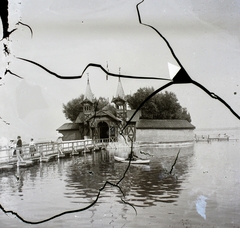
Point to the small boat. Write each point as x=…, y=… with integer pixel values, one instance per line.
x=138, y=161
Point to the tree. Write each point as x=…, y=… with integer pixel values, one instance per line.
x=102, y=102
x=74, y=107
x=161, y=106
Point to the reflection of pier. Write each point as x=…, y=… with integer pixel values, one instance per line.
x=47, y=151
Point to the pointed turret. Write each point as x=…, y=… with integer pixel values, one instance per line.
x=120, y=92
x=88, y=101
x=88, y=93
x=120, y=102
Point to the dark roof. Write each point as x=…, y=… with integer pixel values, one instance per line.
x=163, y=124
x=80, y=118
x=68, y=126
x=136, y=116
x=102, y=113
x=117, y=99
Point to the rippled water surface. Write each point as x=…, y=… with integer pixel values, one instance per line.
x=204, y=190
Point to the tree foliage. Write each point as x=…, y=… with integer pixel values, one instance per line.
x=161, y=106
x=102, y=102
x=72, y=109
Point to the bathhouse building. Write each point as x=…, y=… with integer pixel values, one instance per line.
x=103, y=124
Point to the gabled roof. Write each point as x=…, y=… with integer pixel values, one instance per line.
x=68, y=126
x=163, y=124
x=106, y=107
x=80, y=118
x=102, y=113
x=136, y=116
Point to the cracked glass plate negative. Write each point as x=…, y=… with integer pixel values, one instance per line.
x=119, y=113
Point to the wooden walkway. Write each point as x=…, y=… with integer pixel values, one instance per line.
x=46, y=151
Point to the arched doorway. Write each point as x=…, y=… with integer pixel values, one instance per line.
x=103, y=130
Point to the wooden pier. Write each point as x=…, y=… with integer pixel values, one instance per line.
x=46, y=151
x=210, y=138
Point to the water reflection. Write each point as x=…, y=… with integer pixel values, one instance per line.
x=143, y=185
x=207, y=170
x=46, y=189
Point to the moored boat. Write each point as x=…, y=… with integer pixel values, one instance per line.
x=135, y=161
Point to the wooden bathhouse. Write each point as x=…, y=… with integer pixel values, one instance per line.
x=103, y=124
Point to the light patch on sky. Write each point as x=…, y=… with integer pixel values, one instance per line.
x=201, y=206
x=67, y=35
x=29, y=98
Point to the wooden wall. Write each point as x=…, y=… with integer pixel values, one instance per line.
x=161, y=135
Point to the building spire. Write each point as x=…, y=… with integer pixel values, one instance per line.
x=88, y=93
x=120, y=102
x=120, y=92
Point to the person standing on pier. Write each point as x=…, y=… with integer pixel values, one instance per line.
x=19, y=149
x=32, y=147
x=19, y=145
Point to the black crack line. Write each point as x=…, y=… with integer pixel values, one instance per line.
x=126, y=170
x=169, y=46
x=70, y=211
x=149, y=97
x=174, y=163
x=20, y=23
x=183, y=77
x=50, y=72
x=10, y=72
x=4, y=19
x=129, y=164
x=211, y=94
x=214, y=96
x=129, y=205
x=6, y=50
x=91, y=65
x=176, y=81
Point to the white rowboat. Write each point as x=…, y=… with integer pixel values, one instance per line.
x=138, y=161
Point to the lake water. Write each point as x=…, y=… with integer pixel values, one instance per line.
x=204, y=190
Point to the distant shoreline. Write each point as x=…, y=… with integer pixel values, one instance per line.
x=216, y=129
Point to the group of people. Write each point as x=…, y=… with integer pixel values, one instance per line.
x=32, y=146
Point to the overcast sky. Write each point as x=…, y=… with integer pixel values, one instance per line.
x=67, y=35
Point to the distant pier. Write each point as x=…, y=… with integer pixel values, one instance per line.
x=210, y=138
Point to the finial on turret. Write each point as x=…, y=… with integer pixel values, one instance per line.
x=87, y=78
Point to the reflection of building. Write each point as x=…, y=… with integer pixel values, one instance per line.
x=103, y=124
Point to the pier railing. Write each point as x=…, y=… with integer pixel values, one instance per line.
x=46, y=149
